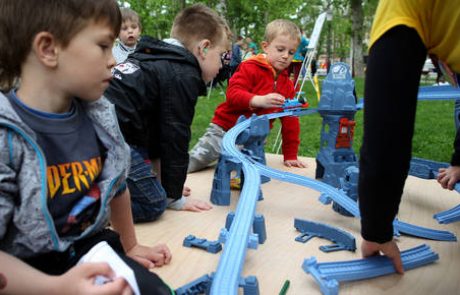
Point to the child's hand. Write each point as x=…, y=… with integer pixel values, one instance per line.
x=186, y=191
x=448, y=177
x=150, y=257
x=195, y=205
x=295, y=163
x=80, y=280
x=271, y=100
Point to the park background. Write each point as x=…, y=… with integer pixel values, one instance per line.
x=344, y=37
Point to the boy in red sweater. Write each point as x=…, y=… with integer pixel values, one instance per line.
x=260, y=86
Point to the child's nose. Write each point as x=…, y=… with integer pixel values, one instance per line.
x=111, y=62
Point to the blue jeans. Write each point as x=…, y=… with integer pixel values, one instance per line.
x=148, y=198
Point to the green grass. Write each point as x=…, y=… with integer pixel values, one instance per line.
x=434, y=129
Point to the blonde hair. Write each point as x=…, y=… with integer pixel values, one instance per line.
x=199, y=22
x=282, y=27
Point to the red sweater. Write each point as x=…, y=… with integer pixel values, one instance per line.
x=256, y=76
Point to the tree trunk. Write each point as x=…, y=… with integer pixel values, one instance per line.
x=357, y=37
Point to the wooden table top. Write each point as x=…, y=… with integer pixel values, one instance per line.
x=280, y=257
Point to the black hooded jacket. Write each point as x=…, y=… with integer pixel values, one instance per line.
x=155, y=92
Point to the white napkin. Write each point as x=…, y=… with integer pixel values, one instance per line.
x=102, y=252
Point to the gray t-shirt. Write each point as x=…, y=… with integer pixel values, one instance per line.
x=74, y=158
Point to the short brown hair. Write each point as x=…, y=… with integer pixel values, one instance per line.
x=129, y=14
x=198, y=22
x=22, y=20
x=281, y=27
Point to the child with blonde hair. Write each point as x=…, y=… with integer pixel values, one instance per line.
x=259, y=86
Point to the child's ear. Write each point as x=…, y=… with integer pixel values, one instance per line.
x=45, y=47
x=203, y=47
x=264, y=45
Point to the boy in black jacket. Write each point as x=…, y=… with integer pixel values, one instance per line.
x=155, y=92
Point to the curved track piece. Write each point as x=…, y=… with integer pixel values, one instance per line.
x=329, y=193
x=238, y=238
x=423, y=232
x=342, y=239
x=329, y=274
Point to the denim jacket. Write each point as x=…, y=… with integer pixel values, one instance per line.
x=26, y=225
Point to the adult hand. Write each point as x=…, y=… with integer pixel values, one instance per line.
x=150, y=257
x=390, y=249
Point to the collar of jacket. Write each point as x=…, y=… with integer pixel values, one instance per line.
x=150, y=49
x=261, y=60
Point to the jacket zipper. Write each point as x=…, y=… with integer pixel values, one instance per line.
x=43, y=198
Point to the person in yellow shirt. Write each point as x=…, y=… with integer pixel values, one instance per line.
x=403, y=33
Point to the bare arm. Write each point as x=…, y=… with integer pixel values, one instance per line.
x=122, y=222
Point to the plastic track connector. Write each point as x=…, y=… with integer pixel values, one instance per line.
x=209, y=246
x=250, y=285
x=329, y=274
x=309, y=229
x=198, y=286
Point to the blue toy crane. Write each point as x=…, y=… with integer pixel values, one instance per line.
x=337, y=107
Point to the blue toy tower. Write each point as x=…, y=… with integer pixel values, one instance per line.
x=252, y=142
x=337, y=107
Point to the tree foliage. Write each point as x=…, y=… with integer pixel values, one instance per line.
x=248, y=18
